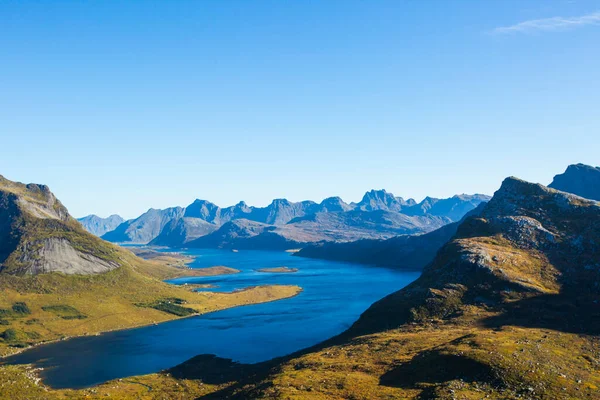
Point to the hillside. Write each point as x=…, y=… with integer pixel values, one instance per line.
x=99, y=226
x=580, y=179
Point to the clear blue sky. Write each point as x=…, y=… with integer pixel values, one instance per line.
x=121, y=106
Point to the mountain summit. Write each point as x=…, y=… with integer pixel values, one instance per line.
x=580, y=179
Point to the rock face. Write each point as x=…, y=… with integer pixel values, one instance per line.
x=580, y=179
x=99, y=226
x=37, y=235
x=379, y=215
x=144, y=228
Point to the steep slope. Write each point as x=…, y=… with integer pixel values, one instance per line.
x=180, y=231
x=99, y=226
x=37, y=235
x=580, y=179
x=507, y=309
x=144, y=228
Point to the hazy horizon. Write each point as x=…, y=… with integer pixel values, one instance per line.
x=121, y=107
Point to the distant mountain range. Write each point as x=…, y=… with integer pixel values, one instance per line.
x=284, y=224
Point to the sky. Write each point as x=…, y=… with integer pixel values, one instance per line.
x=120, y=106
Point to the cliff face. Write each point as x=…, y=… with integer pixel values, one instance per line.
x=37, y=235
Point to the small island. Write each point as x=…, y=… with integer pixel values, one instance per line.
x=280, y=270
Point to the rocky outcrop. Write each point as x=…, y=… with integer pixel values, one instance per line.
x=99, y=226
x=37, y=235
x=580, y=179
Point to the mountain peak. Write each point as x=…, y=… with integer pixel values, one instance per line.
x=580, y=179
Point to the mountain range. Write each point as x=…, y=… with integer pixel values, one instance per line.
x=285, y=224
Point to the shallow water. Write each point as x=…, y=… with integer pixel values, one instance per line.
x=333, y=297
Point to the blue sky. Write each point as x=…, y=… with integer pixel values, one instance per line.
x=121, y=106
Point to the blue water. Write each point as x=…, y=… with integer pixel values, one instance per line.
x=334, y=295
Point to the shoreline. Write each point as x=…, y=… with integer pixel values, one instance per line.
x=33, y=346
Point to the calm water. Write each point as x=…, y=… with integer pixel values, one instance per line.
x=334, y=295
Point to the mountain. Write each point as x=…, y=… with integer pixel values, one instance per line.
x=245, y=234
x=453, y=208
x=375, y=200
x=144, y=228
x=408, y=252
x=204, y=210
x=99, y=226
x=180, y=231
x=357, y=224
x=507, y=309
x=313, y=228
x=37, y=235
x=379, y=215
x=580, y=179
